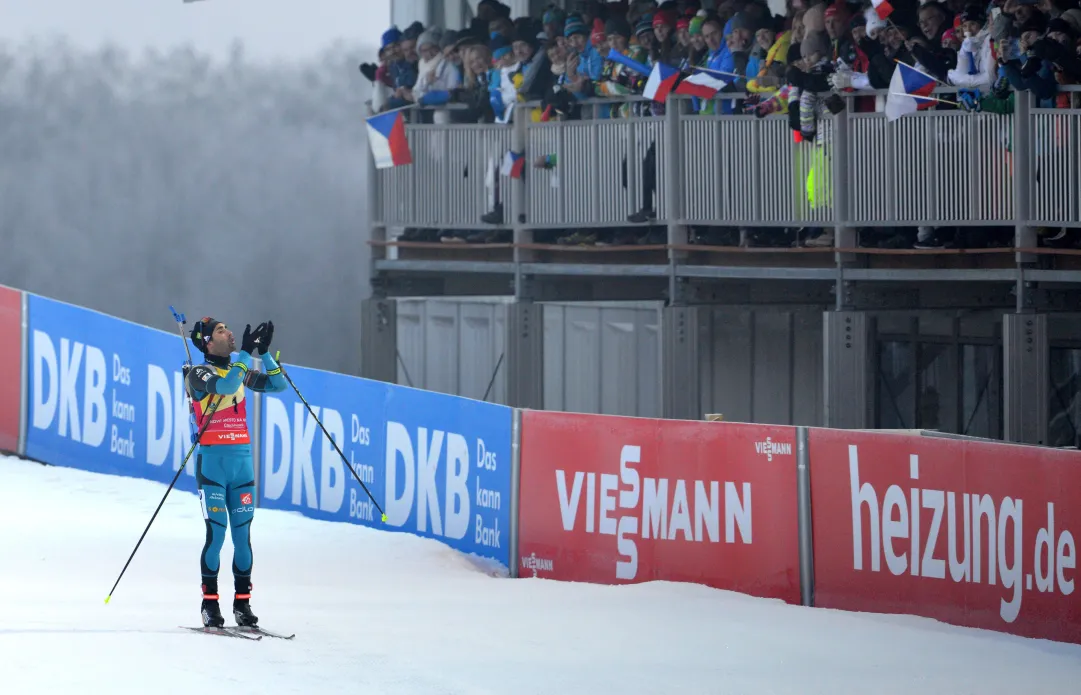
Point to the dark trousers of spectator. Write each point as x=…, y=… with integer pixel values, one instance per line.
x=649, y=186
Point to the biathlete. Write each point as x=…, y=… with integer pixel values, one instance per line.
x=224, y=469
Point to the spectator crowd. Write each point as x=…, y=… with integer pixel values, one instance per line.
x=797, y=64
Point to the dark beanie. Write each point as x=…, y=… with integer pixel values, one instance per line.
x=526, y=33
x=203, y=331
x=1061, y=26
x=617, y=25
x=1038, y=24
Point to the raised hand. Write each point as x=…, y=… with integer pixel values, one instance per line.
x=250, y=339
x=266, y=336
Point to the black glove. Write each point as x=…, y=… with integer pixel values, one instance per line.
x=368, y=70
x=266, y=334
x=248, y=343
x=835, y=104
x=794, y=76
x=1046, y=49
x=1031, y=68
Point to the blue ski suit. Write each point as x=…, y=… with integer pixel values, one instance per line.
x=224, y=469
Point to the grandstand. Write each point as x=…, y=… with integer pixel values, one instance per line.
x=916, y=272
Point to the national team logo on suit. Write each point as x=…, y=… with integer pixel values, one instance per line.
x=245, y=499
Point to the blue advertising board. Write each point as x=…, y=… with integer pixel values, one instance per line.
x=106, y=395
x=439, y=466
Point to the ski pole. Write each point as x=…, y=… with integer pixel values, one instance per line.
x=210, y=416
x=181, y=322
x=382, y=514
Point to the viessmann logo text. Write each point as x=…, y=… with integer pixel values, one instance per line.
x=984, y=540
x=536, y=564
x=655, y=509
x=770, y=448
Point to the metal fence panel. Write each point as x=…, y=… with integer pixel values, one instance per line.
x=598, y=178
x=930, y=167
x=740, y=170
x=454, y=179
x=1055, y=188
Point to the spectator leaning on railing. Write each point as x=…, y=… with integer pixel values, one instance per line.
x=796, y=64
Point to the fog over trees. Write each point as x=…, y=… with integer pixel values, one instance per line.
x=129, y=182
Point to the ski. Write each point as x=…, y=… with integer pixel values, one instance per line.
x=223, y=632
x=262, y=632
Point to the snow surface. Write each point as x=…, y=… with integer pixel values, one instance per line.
x=388, y=613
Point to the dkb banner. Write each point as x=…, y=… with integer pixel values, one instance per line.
x=106, y=395
x=438, y=465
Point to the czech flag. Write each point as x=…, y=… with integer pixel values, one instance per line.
x=910, y=91
x=882, y=8
x=513, y=164
x=701, y=85
x=660, y=82
x=386, y=133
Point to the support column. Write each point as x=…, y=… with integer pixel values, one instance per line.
x=680, y=379
x=848, y=360
x=525, y=355
x=379, y=340
x=1026, y=392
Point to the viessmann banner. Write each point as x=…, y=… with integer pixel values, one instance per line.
x=438, y=465
x=970, y=533
x=618, y=499
x=106, y=395
x=11, y=366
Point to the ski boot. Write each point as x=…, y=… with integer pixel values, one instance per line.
x=209, y=610
x=241, y=608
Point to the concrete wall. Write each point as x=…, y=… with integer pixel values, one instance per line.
x=603, y=358
x=762, y=365
x=756, y=366
x=453, y=346
x=598, y=358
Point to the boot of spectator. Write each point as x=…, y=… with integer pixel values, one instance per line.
x=495, y=216
x=646, y=214
x=928, y=238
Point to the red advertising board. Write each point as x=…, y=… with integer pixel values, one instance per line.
x=971, y=533
x=11, y=367
x=618, y=500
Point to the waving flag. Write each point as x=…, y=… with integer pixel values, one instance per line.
x=660, y=82
x=513, y=164
x=386, y=133
x=617, y=57
x=701, y=85
x=882, y=8
x=910, y=91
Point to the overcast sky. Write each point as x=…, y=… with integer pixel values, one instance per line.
x=270, y=29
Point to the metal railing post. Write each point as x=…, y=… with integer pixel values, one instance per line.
x=1023, y=181
x=673, y=191
x=519, y=207
x=806, y=530
x=844, y=235
x=515, y=477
